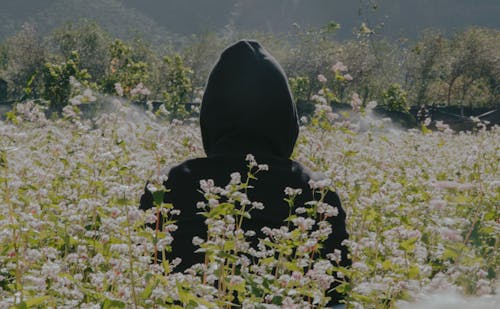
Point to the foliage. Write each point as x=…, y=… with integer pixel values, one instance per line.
x=26, y=56
x=56, y=79
x=457, y=70
x=123, y=69
x=178, y=89
x=301, y=92
x=90, y=41
x=395, y=99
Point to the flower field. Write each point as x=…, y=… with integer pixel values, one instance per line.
x=423, y=211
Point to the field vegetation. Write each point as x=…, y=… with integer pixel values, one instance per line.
x=76, y=151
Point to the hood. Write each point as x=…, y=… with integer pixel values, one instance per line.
x=247, y=106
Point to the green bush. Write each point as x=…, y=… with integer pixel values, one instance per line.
x=395, y=99
x=57, y=81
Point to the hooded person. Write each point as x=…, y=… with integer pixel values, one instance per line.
x=247, y=108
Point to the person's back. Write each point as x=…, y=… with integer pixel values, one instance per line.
x=247, y=108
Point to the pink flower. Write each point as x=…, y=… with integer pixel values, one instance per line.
x=339, y=66
x=356, y=102
x=348, y=77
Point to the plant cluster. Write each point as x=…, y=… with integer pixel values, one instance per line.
x=422, y=208
x=460, y=70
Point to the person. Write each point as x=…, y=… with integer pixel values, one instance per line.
x=247, y=108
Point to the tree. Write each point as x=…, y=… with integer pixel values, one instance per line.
x=26, y=55
x=57, y=77
x=425, y=65
x=122, y=69
x=178, y=88
x=90, y=41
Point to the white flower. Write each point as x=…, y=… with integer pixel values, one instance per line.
x=292, y=192
x=119, y=89
x=235, y=178
x=258, y=205
x=348, y=77
x=427, y=121
x=263, y=167
x=339, y=67
x=356, y=102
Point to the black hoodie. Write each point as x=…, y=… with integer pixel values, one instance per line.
x=247, y=108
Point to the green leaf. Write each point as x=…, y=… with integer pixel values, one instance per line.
x=21, y=305
x=36, y=301
x=408, y=245
x=112, y=303
x=158, y=197
x=413, y=272
x=149, y=289
x=292, y=266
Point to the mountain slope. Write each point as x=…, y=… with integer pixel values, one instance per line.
x=112, y=15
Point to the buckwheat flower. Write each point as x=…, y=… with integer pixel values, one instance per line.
x=165, y=241
x=200, y=205
x=304, y=224
x=311, y=243
x=258, y=205
x=119, y=89
x=356, y=102
x=140, y=89
x=339, y=66
x=135, y=215
x=171, y=228
x=292, y=192
x=446, y=184
x=450, y=234
x=151, y=187
x=263, y=167
x=206, y=185
x=74, y=82
x=97, y=260
x=300, y=210
x=322, y=79
x=331, y=211
x=348, y=77
x=437, y=204
x=150, y=218
x=235, y=280
x=319, y=184
x=51, y=269
x=250, y=233
x=251, y=160
x=87, y=93
x=77, y=100
x=427, y=121
x=175, y=212
x=465, y=186
x=319, y=99
x=235, y=178
x=336, y=256
x=448, y=221
x=361, y=267
x=494, y=184
x=414, y=234
x=267, y=231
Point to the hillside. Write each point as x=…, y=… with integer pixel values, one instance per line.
x=152, y=18
x=112, y=15
x=398, y=17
